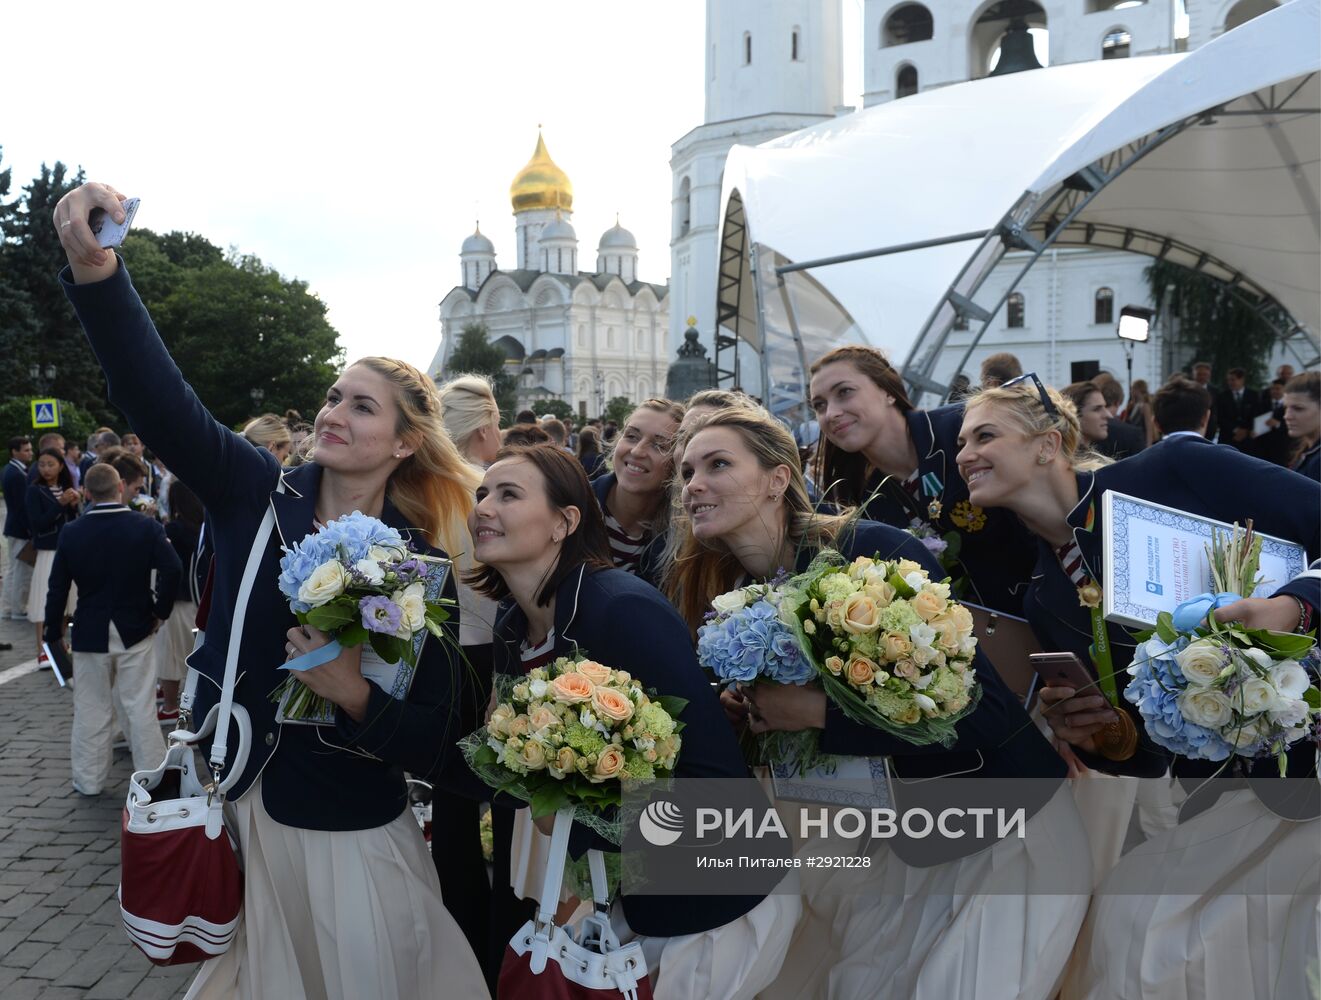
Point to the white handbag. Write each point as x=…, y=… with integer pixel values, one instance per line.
x=181, y=887
x=545, y=959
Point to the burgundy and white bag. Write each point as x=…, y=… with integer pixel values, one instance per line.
x=180, y=883
x=548, y=962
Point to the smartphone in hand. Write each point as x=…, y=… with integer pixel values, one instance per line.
x=107, y=231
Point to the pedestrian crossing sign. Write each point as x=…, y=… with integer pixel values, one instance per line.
x=45, y=413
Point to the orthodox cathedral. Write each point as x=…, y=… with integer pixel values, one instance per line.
x=580, y=336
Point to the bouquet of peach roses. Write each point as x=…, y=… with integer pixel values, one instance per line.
x=570, y=735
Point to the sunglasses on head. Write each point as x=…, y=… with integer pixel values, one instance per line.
x=1042, y=394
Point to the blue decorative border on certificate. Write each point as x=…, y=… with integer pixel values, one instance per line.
x=792, y=786
x=1124, y=508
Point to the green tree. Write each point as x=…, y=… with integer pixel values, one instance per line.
x=33, y=257
x=475, y=354
x=232, y=324
x=16, y=418
x=1228, y=330
x=19, y=329
x=555, y=407
x=618, y=409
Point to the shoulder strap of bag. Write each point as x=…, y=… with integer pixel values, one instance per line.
x=220, y=744
x=549, y=901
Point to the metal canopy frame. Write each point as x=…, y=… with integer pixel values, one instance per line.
x=1038, y=222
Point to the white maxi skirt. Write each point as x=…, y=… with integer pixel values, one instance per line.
x=40, y=583
x=173, y=642
x=1230, y=942
x=340, y=915
x=924, y=936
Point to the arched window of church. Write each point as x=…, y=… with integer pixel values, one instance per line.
x=1116, y=44
x=1245, y=10
x=685, y=207
x=1016, y=307
x=610, y=338
x=793, y=47
x=1104, y=311
x=905, y=81
x=910, y=23
x=747, y=48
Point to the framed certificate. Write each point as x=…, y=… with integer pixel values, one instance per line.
x=859, y=782
x=1156, y=557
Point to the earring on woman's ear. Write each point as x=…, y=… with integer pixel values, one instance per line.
x=1042, y=460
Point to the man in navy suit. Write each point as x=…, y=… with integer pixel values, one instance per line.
x=1236, y=406
x=18, y=574
x=110, y=555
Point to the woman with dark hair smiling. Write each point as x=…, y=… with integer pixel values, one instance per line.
x=878, y=452
x=542, y=542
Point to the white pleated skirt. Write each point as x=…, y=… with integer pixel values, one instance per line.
x=41, y=582
x=924, y=936
x=734, y=961
x=342, y=915
x=1231, y=942
x=174, y=641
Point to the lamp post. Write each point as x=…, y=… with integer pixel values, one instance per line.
x=36, y=373
x=1134, y=328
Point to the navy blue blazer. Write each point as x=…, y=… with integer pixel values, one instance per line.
x=1309, y=464
x=15, y=482
x=46, y=516
x=1188, y=473
x=86, y=462
x=109, y=553
x=996, y=740
x=996, y=552
x=346, y=777
x=620, y=621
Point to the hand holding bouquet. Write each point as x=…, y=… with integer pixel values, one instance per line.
x=569, y=735
x=1209, y=690
x=356, y=580
x=892, y=650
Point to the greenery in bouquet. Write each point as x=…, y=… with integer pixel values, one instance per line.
x=572, y=735
x=356, y=580
x=891, y=648
x=1212, y=691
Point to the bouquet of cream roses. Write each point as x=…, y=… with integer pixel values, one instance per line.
x=1209, y=690
x=570, y=735
x=891, y=649
x=356, y=580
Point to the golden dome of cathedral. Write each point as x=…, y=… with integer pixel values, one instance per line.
x=541, y=184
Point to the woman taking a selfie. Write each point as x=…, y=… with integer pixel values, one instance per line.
x=541, y=540
x=747, y=517
x=340, y=897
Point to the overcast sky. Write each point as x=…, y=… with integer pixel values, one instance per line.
x=354, y=145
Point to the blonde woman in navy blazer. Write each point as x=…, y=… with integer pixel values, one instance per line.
x=341, y=898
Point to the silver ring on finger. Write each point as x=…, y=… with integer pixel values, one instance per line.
x=66, y=223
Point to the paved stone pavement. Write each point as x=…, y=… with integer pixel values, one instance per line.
x=60, y=932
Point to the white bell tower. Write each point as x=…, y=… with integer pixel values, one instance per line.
x=771, y=68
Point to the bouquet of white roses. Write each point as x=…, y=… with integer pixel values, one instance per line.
x=891, y=649
x=357, y=580
x=570, y=735
x=1209, y=690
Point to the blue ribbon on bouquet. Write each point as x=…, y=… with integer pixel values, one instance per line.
x=318, y=656
x=1191, y=614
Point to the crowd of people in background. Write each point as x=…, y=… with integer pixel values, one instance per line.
x=665, y=514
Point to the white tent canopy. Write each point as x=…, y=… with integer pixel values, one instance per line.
x=1209, y=159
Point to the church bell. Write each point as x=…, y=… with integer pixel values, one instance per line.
x=1017, y=52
